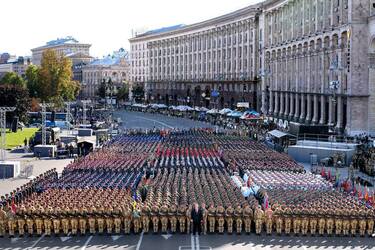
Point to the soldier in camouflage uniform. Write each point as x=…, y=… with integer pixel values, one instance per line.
x=346, y=223
x=56, y=213
x=155, y=218
x=211, y=218
x=278, y=219
x=188, y=219
x=136, y=219
x=39, y=220
x=229, y=219
x=12, y=223
x=370, y=222
x=173, y=218
x=30, y=220
x=127, y=216
x=47, y=221
x=146, y=218
x=238, y=213
x=353, y=223
x=164, y=218
x=247, y=215
x=92, y=221
x=117, y=219
x=313, y=221
x=82, y=220
x=109, y=219
x=220, y=213
x=258, y=217
x=296, y=221
x=269, y=220
x=204, y=218
x=3, y=222
x=287, y=220
x=304, y=222
x=362, y=223
x=338, y=222
x=181, y=214
x=21, y=220
x=100, y=218
x=330, y=222
x=322, y=221
x=74, y=220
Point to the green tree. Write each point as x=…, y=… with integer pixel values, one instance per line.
x=13, y=95
x=55, y=78
x=32, y=81
x=123, y=92
x=13, y=79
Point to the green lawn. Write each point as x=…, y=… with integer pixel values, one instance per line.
x=17, y=139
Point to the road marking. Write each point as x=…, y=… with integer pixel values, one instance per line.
x=166, y=236
x=192, y=242
x=140, y=241
x=152, y=120
x=116, y=237
x=86, y=243
x=14, y=240
x=197, y=241
x=36, y=242
x=65, y=238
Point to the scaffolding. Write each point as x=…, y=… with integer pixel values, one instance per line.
x=68, y=114
x=3, y=127
x=84, y=109
x=44, y=132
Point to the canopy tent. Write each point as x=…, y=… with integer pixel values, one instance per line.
x=278, y=134
x=235, y=114
x=225, y=111
x=212, y=111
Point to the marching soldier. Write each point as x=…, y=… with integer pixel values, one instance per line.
x=21, y=221
x=204, y=218
x=346, y=224
x=3, y=217
x=39, y=221
x=56, y=220
x=247, y=215
x=172, y=218
x=370, y=222
x=29, y=220
x=322, y=222
x=155, y=218
x=269, y=221
x=258, y=216
x=211, y=218
x=146, y=218
x=338, y=222
x=100, y=219
x=188, y=219
x=12, y=223
x=278, y=219
x=126, y=213
x=220, y=218
x=164, y=218
x=92, y=221
x=82, y=220
x=330, y=222
x=353, y=224
x=74, y=220
x=313, y=222
x=288, y=220
x=238, y=217
x=109, y=220
x=362, y=223
x=117, y=219
x=136, y=219
x=296, y=221
x=181, y=214
x=47, y=221
x=304, y=222
x=229, y=218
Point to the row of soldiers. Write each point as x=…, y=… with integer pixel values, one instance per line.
x=137, y=217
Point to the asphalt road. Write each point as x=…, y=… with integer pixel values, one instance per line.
x=180, y=241
x=186, y=242
x=132, y=120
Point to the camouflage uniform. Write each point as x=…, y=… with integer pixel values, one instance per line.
x=56, y=220
x=211, y=218
x=155, y=218
x=258, y=217
x=47, y=221
x=74, y=221
x=287, y=220
x=238, y=213
x=247, y=215
x=181, y=218
x=229, y=218
x=82, y=220
x=269, y=221
x=220, y=218
x=100, y=219
x=146, y=219
x=109, y=220
x=92, y=221
x=3, y=223
x=117, y=219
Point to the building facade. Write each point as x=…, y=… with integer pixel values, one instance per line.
x=17, y=65
x=307, y=61
x=69, y=47
x=114, y=67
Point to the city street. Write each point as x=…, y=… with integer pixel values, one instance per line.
x=133, y=120
x=185, y=242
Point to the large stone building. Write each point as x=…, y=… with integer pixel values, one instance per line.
x=308, y=61
x=114, y=67
x=17, y=65
x=69, y=47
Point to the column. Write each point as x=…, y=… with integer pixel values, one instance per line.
x=286, y=112
x=302, y=116
x=322, y=110
x=270, y=108
x=308, y=116
x=292, y=105
x=297, y=113
x=339, y=113
x=316, y=111
x=281, y=111
x=330, y=112
x=276, y=110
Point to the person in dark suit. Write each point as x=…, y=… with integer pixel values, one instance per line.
x=196, y=219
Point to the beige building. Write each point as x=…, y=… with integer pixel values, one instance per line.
x=17, y=65
x=308, y=61
x=114, y=67
x=70, y=47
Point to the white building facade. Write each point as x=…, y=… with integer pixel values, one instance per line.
x=307, y=61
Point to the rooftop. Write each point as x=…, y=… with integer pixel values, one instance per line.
x=60, y=41
x=161, y=30
x=114, y=59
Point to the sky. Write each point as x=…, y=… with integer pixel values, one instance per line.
x=106, y=24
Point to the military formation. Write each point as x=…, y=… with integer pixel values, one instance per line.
x=149, y=182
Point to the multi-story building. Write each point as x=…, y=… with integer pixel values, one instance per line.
x=307, y=61
x=114, y=67
x=18, y=65
x=69, y=47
